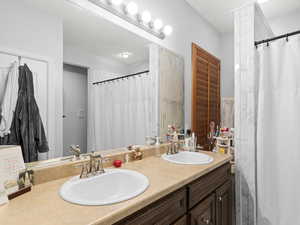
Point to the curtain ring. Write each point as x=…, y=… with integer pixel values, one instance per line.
x=268, y=44
x=287, y=38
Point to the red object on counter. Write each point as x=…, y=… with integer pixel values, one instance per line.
x=117, y=163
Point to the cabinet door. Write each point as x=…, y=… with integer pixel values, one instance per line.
x=182, y=221
x=204, y=213
x=164, y=212
x=207, y=184
x=224, y=204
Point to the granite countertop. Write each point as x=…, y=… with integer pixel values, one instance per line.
x=44, y=206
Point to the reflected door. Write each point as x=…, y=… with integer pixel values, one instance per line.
x=75, y=108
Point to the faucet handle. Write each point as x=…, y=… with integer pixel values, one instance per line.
x=75, y=150
x=93, y=155
x=84, y=169
x=99, y=162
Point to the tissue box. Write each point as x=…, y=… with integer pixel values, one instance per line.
x=11, y=163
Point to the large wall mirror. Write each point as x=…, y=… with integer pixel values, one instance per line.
x=70, y=77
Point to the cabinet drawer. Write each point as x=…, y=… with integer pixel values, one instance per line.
x=205, y=185
x=205, y=212
x=182, y=221
x=163, y=212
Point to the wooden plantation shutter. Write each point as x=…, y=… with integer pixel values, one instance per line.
x=205, y=92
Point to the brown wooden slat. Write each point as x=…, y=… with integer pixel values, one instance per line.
x=205, y=92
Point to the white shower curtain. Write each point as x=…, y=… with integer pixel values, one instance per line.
x=278, y=136
x=124, y=112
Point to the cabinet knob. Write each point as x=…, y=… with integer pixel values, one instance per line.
x=206, y=221
x=220, y=199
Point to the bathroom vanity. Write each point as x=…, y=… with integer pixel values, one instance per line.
x=207, y=200
x=177, y=195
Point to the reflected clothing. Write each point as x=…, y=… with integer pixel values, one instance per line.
x=9, y=102
x=27, y=129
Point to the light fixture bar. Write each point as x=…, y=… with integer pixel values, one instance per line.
x=133, y=21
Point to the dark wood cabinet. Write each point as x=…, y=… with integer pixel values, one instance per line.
x=206, y=201
x=224, y=204
x=202, y=187
x=163, y=212
x=182, y=221
x=205, y=212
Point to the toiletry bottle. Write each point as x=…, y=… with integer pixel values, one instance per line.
x=193, y=142
x=187, y=140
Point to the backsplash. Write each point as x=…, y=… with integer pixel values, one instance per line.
x=67, y=169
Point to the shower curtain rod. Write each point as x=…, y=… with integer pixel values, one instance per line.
x=256, y=43
x=123, y=77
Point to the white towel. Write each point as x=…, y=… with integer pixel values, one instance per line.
x=9, y=102
x=3, y=81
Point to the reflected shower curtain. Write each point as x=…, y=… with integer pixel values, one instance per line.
x=278, y=135
x=124, y=112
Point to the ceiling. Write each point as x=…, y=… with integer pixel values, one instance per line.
x=94, y=35
x=219, y=12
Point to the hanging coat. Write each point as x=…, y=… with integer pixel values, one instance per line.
x=27, y=129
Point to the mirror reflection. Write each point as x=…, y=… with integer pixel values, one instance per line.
x=95, y=87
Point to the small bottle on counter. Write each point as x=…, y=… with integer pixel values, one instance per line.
x=187, y=140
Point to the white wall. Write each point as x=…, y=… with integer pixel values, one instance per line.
x=285, y=24
x=33, y=32
x=279, y=25
x=77, y=56
x=227, y=65
x=138, y=67
x=188, y=26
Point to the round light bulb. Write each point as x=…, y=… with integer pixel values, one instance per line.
x=158, y=24
x=116, y=2
x=146, y=17
x=168, y=30
x=132, y=8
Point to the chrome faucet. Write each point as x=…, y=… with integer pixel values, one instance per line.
x=75, y=150
x=93, y=167
x=173, y=148
x=153, y=140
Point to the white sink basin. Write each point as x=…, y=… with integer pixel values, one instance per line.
x=189, y=158
x=114, y=186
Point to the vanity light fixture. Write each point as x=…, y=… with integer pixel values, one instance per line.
x=132, y=8
x=130, y=13
x=158, y=24
x=168, y=30
x=146, y=17
x=116, y=2
x=262, y=1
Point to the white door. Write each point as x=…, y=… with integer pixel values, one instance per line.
x=75, y=108
x=5, y=62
